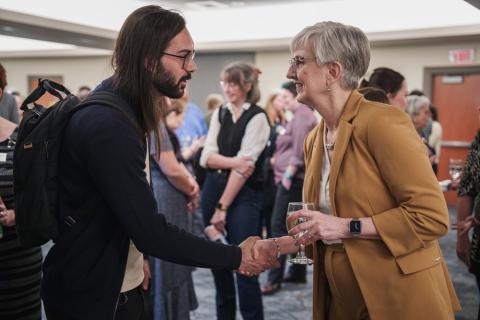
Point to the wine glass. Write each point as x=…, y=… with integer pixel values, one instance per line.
x=455, y=167
x=293, y=207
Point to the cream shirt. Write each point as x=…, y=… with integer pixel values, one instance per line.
x=325, y=204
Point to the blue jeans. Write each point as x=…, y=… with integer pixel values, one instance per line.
x=243, y=220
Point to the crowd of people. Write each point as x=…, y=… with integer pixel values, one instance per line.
x=212, y=189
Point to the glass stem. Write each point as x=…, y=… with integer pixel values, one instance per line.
x=301, y=252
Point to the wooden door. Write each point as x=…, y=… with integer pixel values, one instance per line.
x=457, y=98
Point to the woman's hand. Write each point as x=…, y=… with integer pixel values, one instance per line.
x=194, y=195
x=318, y=226
x=197, y=143
x=244, y=166
x=219, y=219
x=464, y=226
x=7, y=218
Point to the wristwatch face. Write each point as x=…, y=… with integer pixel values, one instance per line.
x=355, y=227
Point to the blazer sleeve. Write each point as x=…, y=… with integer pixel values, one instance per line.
x=421, y=214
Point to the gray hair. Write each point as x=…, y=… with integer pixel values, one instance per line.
x=333, y=41
x=415, y=104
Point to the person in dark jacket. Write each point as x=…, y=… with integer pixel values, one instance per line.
x=102, y=167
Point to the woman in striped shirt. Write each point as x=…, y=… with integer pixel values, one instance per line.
x=20, y=268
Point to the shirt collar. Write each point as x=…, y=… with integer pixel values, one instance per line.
x=245, y=106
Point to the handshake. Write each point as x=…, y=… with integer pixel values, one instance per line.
x=258, y=255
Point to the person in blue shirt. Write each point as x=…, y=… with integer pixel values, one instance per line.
x=193, y=126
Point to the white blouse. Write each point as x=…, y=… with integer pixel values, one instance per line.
x=254, y=141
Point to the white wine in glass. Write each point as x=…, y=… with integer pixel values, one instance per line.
x=293, y=207
x=455, y=167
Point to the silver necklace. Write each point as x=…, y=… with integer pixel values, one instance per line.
x=330, y=146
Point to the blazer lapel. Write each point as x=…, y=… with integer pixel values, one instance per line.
x=315, y=168
x=345, y=130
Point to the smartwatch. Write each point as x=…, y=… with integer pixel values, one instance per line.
x=355, y=227
x=222, y=207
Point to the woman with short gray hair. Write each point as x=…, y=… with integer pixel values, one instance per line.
x=378, y=211
x=418, y=109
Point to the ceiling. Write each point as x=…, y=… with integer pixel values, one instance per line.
x=62, y=27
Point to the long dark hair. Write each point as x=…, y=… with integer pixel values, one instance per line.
x=140, y=44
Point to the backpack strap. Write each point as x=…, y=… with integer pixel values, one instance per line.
x=110, y=99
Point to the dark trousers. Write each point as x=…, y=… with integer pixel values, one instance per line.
x=243, y=220
x=134, y=304
x=269, y=193
x=279, y=228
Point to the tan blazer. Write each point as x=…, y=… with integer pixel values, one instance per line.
x=380, y=169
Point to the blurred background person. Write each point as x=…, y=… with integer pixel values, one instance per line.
x=468, y=211
x=177, y=194
x=274, y=108
x=193, y=125
x=19, y=100
x=390, y=81
x=20, y=267
x=213, y=102
x=289, y=169
x=8, y=105
x=232, y=196
x=83, y=92
x=418, y=107
x=432, y=132
x=189, y=157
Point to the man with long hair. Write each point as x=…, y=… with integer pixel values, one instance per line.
x=94, y=270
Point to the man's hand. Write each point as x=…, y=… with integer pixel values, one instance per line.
x=219, y=219
x=257, y=258
x=266, y=251
x=147, y=274
x=7, y=218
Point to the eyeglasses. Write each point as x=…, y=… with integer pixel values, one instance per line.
x=225, y=85
x=298, y=61
x=187, y=58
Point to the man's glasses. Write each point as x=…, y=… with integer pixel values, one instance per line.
x=298, y=61
x=187, y=58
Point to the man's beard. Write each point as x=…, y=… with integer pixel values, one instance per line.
x=164, y=83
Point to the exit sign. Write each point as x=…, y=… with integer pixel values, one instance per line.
x=461, y=56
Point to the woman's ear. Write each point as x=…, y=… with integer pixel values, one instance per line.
x=335, y=70
x=248, y=87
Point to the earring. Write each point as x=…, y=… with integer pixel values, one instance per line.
x=328, y=87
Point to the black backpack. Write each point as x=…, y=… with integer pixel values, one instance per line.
x=36, y=160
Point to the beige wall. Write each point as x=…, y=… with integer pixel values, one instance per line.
x=408, y=60
x=75, y=71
